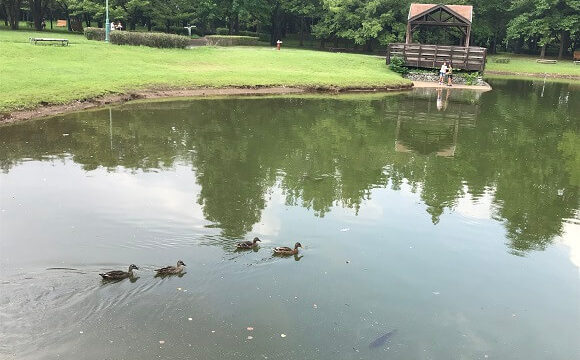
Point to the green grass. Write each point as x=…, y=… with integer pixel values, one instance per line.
x=53, y=74
x=528, y=64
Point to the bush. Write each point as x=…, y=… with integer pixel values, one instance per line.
x=178, y=30
x=264, y=37
x=230, y=40
x=151, y=39
x=471, y=78
x=248, y=33
x=92, y=33
x=398, y=65
x=222, y=31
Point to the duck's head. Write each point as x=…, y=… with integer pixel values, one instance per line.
x=180, y=263
x=133, y=267
x=297, y=245
x=256, y=240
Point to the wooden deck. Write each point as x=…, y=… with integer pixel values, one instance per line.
x=433, y=56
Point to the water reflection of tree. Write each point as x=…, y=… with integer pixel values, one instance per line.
x=328, y=152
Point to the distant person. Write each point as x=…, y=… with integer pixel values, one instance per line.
x=43, y=24
x=112, y=25
x=442, y=72
x=119, y=26
x=450, y=74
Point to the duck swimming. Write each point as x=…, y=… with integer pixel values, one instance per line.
x=171, y=270
x=284, y=250
x=248, y=244
x=118, y=274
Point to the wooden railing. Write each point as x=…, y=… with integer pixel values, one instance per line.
x=433, y=56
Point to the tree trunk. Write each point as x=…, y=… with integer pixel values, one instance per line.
x=36, y=10
x=543, y=52
x=13, y=13
x=563, y=40
x=302, y=31
x=149, y=25
x=276, y=32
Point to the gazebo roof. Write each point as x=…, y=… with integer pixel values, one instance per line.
x=465, y=11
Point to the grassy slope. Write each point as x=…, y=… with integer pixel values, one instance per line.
x=53, y=74
x=528, y=64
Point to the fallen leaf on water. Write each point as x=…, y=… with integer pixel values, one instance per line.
x=249, y=328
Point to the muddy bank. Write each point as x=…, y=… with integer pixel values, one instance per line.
x=43, y=110
x=425, y=84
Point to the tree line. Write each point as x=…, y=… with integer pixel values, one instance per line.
x=528, y=26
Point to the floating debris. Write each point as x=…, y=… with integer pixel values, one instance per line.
x=436, y=292
x=381, y=340
x=249, y=328
x=283, y=335
x=162, y=342
x=190, y=319
x=81, y=332
x=250, y=337
x=178, y=289
x=345, y=229
x=315, y=306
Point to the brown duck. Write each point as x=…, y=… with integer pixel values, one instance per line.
x=284, y=250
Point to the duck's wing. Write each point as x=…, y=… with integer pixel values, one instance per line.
x=245, y=244
x=282, y=249
x=165, y=269
x=113, y=274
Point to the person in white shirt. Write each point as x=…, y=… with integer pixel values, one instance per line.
x=442, y=72
x=112, y=25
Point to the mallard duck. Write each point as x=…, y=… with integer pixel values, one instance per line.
x=248, y=244
x=284, y=250
x=171, y=270
x=118, y=274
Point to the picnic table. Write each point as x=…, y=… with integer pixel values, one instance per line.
x=63, y=42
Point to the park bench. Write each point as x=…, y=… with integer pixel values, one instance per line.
x=63, y=42
x=545, y=61
x=502, y=60
x=337, y=49
x=61, y=23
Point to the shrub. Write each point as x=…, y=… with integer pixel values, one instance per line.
x=230, y=40
x=222, y=31
x=264, y=37
x=248, y=33
x=178, y=30
x=471, y=78
x=92, y=33
x=151, y=39
x=398, y=65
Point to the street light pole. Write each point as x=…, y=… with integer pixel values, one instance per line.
x=107, y=25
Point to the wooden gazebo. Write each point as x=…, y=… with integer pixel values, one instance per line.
x=432, y=56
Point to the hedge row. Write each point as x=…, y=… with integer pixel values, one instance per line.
x=151, y=39
x=230, y=40
x=92, y=33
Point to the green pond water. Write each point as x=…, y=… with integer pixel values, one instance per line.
x=451, y=217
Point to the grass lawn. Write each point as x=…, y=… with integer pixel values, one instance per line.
x=528, y=64
x=53, y=74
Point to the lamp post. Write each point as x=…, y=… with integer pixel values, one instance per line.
x=107, y=25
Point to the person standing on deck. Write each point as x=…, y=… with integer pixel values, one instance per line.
x=449, y=74
x=442, y=72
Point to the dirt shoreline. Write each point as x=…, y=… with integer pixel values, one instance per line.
x=536, y=75
x=45, y=110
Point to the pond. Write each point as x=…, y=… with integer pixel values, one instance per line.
x=446, y=219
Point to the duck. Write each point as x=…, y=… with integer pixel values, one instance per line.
x=248, y=244
x=171, y=270
x=119, y=274
x=284, y=250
